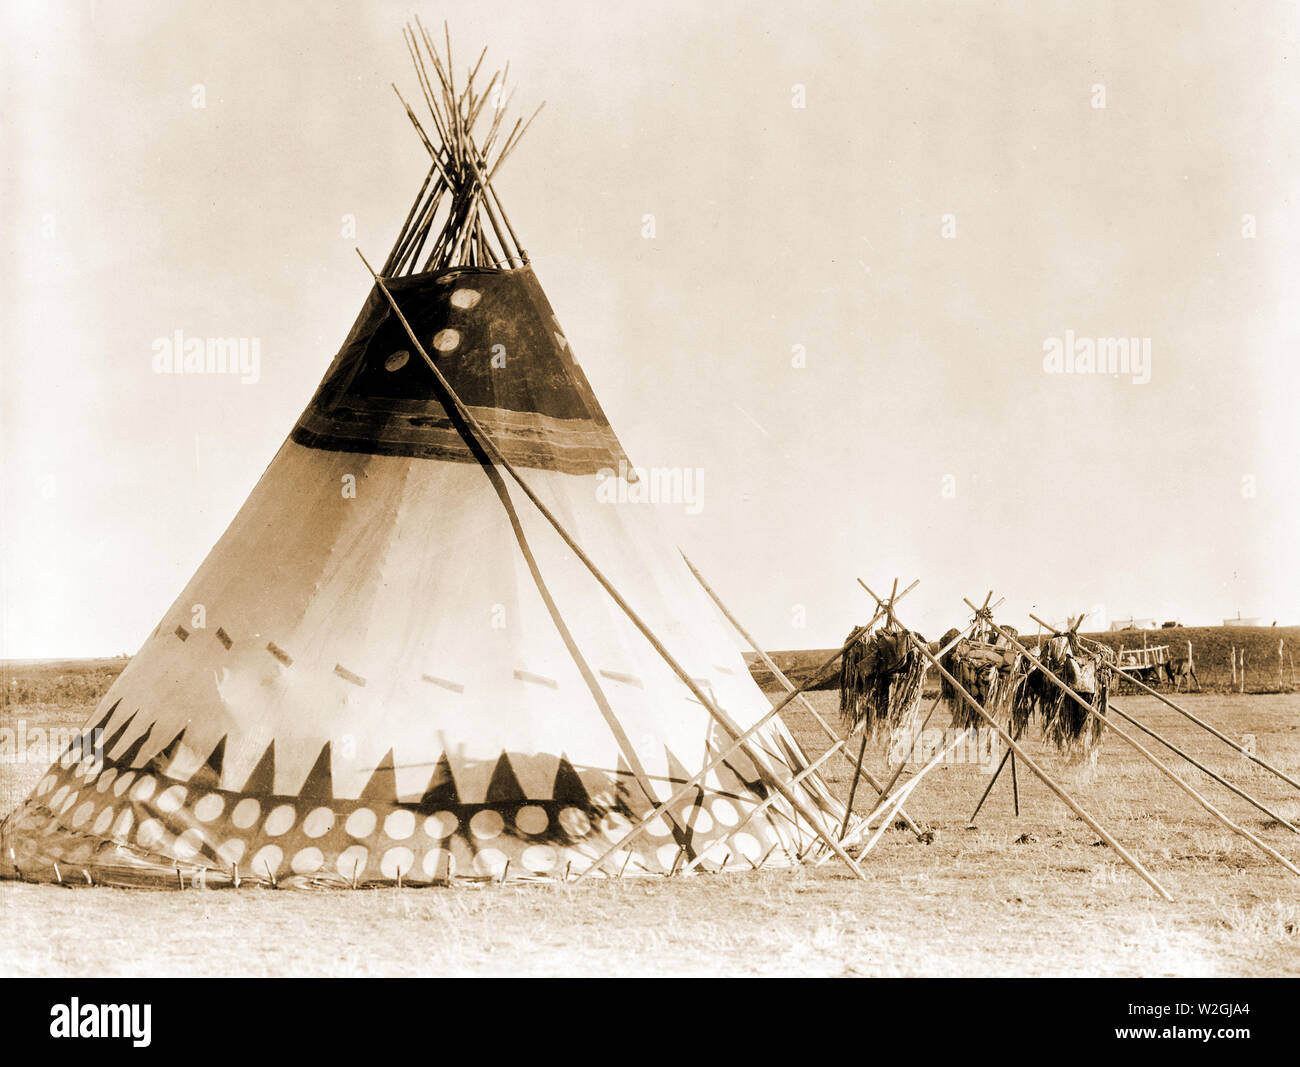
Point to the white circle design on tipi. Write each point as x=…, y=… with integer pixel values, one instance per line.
x=441, y=824
x=491, y=862
x=574, y=822
x=232, y=851
x=486, y=825
x=400, y=824
x=438, y=863
x=351, y=863
x=465, y=298
x=717, y=852
x=397, y=360
x=724, y=811
x=188, y=843
x=307, y=861
x=246, y=813
x=747, y=845
x=279, y=820
x=319, y=822
x=615, y=827
x=361, y=823
x=657, y=827
x=171, y=799
x=209, y=807
x=267, y=861
x=532, y=819
x=397, y=862
x=446, y=340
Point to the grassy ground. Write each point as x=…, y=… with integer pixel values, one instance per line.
x=1034, y=895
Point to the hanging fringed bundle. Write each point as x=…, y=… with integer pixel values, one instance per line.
x=880, y=685
x=987, y=672
x=1075, y=733
x=1024, y=696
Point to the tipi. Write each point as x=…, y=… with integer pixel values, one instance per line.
x=393, y=666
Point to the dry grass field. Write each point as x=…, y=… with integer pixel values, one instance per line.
x=1034, y=895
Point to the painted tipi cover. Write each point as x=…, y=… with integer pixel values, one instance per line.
x=391, y=668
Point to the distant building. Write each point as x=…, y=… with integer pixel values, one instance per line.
x=1134, y=624
x=1239, y=621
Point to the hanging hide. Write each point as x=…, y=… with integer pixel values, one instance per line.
x=987, y=672
x=880, y=685
x=1065, y=725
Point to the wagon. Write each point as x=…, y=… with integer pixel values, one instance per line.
x=1147, y=664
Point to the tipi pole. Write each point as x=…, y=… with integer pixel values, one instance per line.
x=1042, y=775
x=1156, y=762
x=401, y=236
x=1015, y=788
x=1206, y=726
x=1007, y=755
x=889, y=806
x=980, y=614
x=853, y=785
x=1046, y=779
x=862, y=748
x=898, y=771
x=1203, y=769
x=624, y=743
x=889, y=608
x=692, y=784
x=718, y=716
x=762, y=806
x=888, y=799
x=789, y=686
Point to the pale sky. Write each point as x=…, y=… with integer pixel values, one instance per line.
x=923, y=437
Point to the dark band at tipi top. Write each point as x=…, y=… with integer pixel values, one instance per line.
x=466, y=666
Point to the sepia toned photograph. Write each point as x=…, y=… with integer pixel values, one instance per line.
x=520, y=490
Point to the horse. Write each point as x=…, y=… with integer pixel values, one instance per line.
x=1178, y=669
